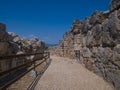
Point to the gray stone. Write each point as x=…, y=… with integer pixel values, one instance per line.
x=118, y=13
x=2, y=27
x=89, y=38
x=86, y=26
x=106, y=39
x=114, y=4
x=97, y=71
x=13, y=34
x=96, y=18
x=4, y=48
x=13, y=47
x=86, y=52
x=117, y=48
x=114, y=78
x=16, y=39
x=3, y=35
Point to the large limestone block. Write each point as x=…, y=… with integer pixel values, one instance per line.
x=96, y=17
x=114, y=4
x=112, y=25
x=86, y=52
x=4, y=48
x=116, y=55
x=2, y=27
x=118, y=13
x=3, y=34
x=86, y=25
x=106, y=39
x=114, y=21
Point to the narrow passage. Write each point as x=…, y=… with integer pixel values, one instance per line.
x=65, y=74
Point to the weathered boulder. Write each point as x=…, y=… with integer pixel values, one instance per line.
x=2, y=27
x=116, y=55
x=15, y=37
x=3, y=34
x=13, y=48
x=114, y=23
x=76, y=26
x=86, y=52
x=112, y=27
x=96, y=18
x=4, y=48
x=118, y=13
x=114, y=4
x=89, y=38
x=97, y=33
x=86, y=25
x=106, y=40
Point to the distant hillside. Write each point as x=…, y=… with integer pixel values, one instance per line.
x=51, y=44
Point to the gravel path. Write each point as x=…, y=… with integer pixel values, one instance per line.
x=65, y=74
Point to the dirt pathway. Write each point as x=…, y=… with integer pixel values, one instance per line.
x=64, y=74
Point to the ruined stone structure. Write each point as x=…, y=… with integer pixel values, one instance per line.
x=98, y=38
x=13, y=44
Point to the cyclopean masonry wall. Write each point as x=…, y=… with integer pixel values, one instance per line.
x=13, y=44
x=98, y=38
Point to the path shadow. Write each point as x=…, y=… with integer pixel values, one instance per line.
x=40, y=74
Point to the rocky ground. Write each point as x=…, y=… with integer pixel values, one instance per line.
x=66, y=74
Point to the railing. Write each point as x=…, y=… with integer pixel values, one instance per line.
x=23, y=68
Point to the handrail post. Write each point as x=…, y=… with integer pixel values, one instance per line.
x=34, y=72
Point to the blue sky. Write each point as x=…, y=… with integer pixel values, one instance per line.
x=46, y=19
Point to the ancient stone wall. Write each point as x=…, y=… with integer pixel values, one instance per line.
x=98, y=38
x=13, y=44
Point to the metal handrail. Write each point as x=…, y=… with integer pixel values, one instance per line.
x=20, y=76
x=19, y=55
x=20, y=66
x=34, y=83
x=32, y=62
